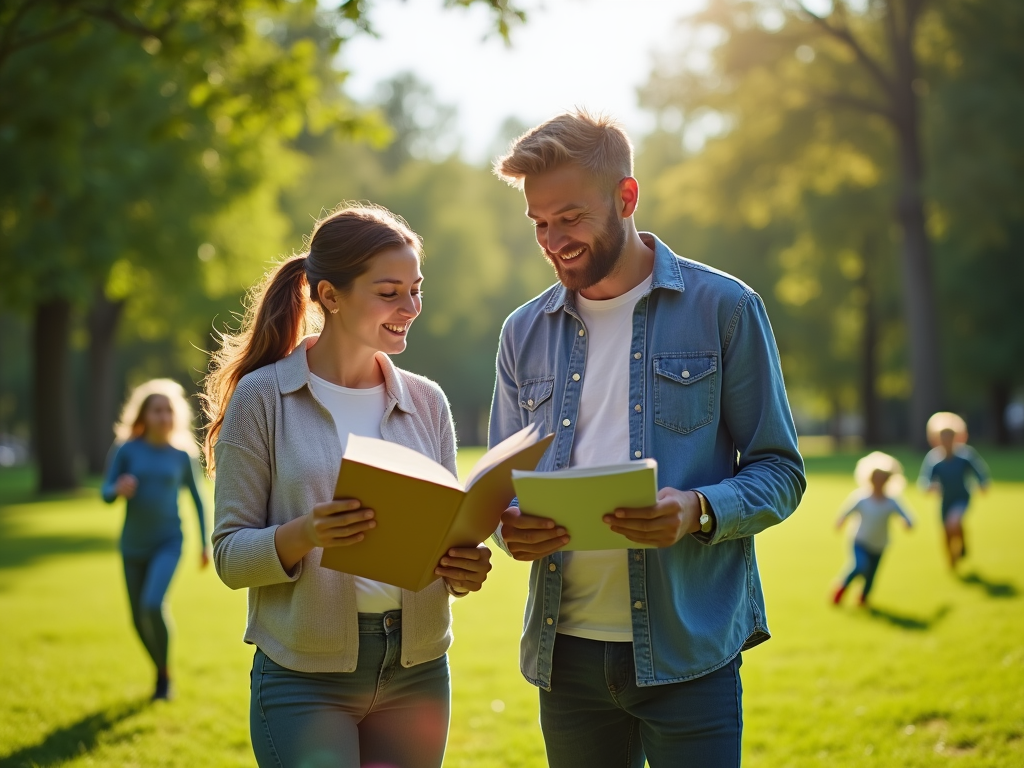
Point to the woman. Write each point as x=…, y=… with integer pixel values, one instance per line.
x=154, y=461
x=347, y=671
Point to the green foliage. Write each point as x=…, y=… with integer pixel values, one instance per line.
x=932, y=675
x=795, y=185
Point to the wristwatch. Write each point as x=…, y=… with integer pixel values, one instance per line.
x=707, y=521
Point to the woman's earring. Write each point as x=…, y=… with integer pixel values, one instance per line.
x=334, y=311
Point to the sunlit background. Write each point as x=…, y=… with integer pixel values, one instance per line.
x=859, y=164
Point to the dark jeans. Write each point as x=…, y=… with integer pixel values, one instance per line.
x=865, y=563
x=383, y=714
x=595, y=715
x=148, y=579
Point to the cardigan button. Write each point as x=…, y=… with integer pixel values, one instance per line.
x=549, y=621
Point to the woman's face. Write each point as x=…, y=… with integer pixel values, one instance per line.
x=158, y=418
x=379, y=307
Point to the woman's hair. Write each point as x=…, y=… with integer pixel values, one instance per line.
x=596, y=143
x=132, y=424
x=281, y=309
x=945, y=420
x=878, y=461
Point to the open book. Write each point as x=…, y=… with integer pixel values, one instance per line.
x=420, y=507
x=578, y=499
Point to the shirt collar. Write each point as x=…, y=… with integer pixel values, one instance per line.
x=293, y=375
x=667, y=274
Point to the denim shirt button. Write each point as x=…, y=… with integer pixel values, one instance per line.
x=637, y=355
x=575, y=377
x=552, y=567
x=582, y=332
x=638, y=454
x=638, y=605
x=566, y=422
x=549, y=621
x=637, y=408
x=686, y=374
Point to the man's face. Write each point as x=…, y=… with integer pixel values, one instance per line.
x=578, y=225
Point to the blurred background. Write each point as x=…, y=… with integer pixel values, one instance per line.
x=859, y=164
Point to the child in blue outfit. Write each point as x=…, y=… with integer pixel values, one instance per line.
x=148, y=469
x=951, y=468
x=880, y=478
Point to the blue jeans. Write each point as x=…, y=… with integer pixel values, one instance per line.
x=865, y=563
x=595, y=715
x=148, y=579
x=383, y=714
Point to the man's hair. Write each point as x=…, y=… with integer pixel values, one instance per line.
x=597, y=143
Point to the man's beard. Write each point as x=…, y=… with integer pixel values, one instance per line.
x=602, y=257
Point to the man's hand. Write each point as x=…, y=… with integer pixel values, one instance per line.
x=465, y=569
x=126, y=485
x=676, y=514
x=204, y=558
x=528, y=537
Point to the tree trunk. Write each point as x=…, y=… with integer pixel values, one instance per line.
x=869, y=363
x=52, y=413
x=922, y=318
x=999, y=400
x=104, y=316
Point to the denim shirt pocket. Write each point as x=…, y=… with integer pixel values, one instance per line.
x=684, y=389
x=535, y=399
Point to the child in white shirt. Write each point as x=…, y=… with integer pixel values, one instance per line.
x=880, y=478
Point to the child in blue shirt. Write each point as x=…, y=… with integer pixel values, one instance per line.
x=952, y=468
x=154, y=461
x=880, y=478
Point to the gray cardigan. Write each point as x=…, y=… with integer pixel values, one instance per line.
x=278, y=454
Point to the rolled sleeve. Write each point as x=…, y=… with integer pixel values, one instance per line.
x=243, y=543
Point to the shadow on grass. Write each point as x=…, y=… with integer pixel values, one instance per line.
x=992, y=588
x=18, y=550
x=904, y=621
x=72, y=740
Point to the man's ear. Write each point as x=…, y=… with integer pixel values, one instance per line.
x=629, y=196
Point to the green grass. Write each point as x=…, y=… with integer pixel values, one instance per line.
x=934, y=675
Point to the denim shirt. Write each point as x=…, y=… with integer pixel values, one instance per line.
x=708, y=402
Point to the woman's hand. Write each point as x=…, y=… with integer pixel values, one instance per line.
x=464, y=569
x=204, y=558
x=126, y=486
x=338, y=523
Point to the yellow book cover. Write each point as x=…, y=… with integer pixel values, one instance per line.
x=421, y=509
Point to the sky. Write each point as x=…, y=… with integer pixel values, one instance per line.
x=589, y=53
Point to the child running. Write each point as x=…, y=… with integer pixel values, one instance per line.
x=951, y=468
x=151, y=465
x=880, y=478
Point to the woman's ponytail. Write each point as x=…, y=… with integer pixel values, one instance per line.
x=277, y=316
x=280, y=310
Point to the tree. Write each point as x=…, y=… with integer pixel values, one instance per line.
x=849, y=66
x=78, y=198
x=975, y=110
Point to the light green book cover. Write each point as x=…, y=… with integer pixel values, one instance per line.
x=578, y=499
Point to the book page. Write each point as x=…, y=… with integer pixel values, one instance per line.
x=507, y=447
x=396, y=458
x=611, y=469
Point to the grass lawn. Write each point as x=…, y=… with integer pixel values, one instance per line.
x=932, y=675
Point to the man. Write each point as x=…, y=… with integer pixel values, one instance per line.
x=635, y=353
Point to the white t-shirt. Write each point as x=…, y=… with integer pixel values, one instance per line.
x=359, y=412
x=873, y=527
x=595, y=585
